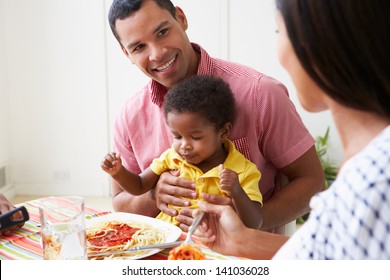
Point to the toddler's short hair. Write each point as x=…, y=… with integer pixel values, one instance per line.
x=209, y=96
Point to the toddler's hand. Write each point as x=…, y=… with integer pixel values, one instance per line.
x=228, y=180
x=112, y=163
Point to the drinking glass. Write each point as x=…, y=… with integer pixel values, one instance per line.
x=63, y=228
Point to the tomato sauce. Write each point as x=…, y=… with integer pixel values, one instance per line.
x=116, y=234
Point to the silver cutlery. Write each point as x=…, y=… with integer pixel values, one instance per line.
x=135, y=249
x=193, y=227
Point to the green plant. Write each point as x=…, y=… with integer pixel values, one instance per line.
x=328, y=166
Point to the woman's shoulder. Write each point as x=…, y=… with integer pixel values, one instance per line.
x=374, y=158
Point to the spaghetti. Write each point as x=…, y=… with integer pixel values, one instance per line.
x=114, y=236
x=186, y=252
x=51, y=248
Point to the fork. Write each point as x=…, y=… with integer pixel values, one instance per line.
x=193, y=227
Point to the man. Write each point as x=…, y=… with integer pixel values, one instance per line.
x=268, y=130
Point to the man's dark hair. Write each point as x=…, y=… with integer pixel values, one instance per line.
x=121, y=9
x=208, y=96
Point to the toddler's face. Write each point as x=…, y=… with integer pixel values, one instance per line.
x=194, y=138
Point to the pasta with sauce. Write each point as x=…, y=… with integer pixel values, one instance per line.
x=186, y=252
x=114, y=236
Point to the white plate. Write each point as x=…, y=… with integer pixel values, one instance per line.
x=172, y=232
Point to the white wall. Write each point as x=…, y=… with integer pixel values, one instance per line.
x=4, y=101
x=64, y=79
x=5, y=148
x=57, y=88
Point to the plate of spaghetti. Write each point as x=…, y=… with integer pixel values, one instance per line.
x=121, y=231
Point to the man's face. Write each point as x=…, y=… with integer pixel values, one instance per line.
x=157, y=43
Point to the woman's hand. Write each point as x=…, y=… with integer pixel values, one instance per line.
x=221, y=229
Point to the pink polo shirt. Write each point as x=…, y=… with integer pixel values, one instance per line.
x=267, y=129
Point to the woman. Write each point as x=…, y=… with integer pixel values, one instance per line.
x=336, y=53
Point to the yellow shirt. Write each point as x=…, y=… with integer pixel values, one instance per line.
x=248, y=175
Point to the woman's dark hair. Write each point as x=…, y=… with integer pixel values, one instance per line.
x=121, y=9
x=210, y=97
x=344, y=46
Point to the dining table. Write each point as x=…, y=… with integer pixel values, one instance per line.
x=26, y=242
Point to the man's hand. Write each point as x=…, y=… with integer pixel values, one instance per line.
x=217, y=199
x=173, y=190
